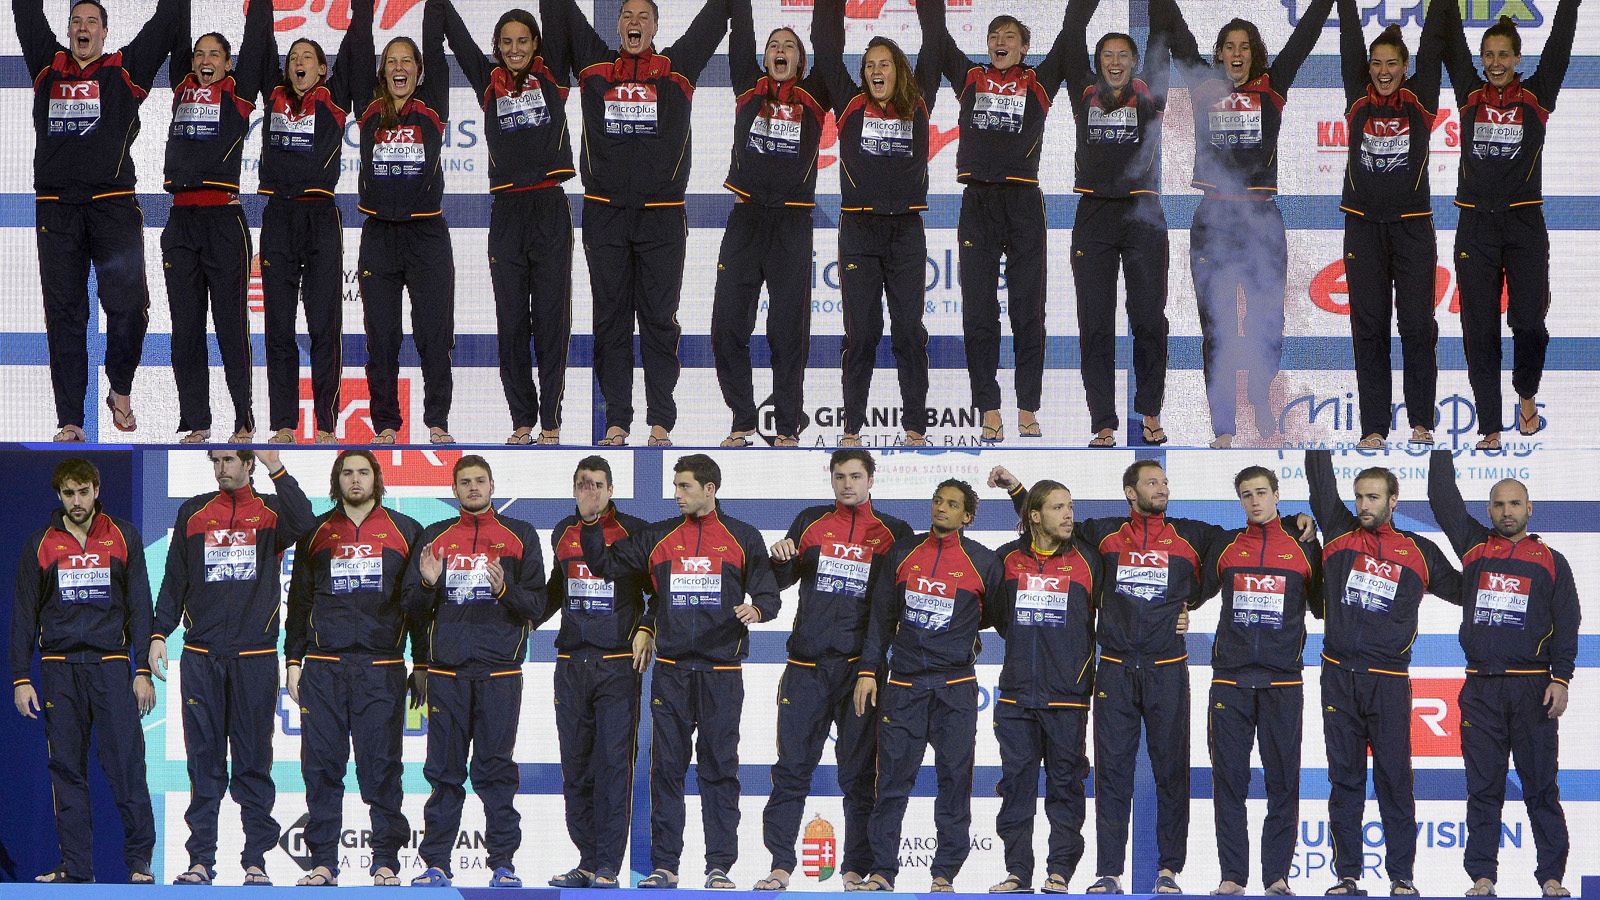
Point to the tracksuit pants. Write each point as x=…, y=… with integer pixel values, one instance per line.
x=636, y=271
x=1238, y=718
x=1505, y=716
x=477, y=712
x=230, y=707
x=884, y=257
x=361, y=700
x=912, y=715
x=1003, y=220
x=1238, y=247
x=1126, y=698
x=1028, y=737
x=302, y=260
x=597, y=721
x=705, y=704
x=530, y=265
x=110, y=234
x=1503, y=252
x=1130, y=234
x=415, y=257
x=1362, y=711
x=205, y=256
x=1390, y=266
x=770, y=245
x=812, y=697
x=78, y=697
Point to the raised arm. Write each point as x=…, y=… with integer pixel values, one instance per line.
x=1353, y=53
x=743, y=67
x=936, y=35
x=1457, y=56
x=1158, y=66
x=929, y=64
x=180, y=55
x=295, y=518
x=269, y=69
x=695, y=48
x=1068, y=59
x=1428, y=75
x=1449, y=510
x=1333, y=517
x=435, y=87
x=39, y=44
x=1286, y=65
x=827, y=38
x=143, y=56
x=469, y=57
x=1315, y=601
x=1556, y=55
x=258, y=53
x=566, y=26
x=1444, y=581
x=1167, y=18
x=354, y=74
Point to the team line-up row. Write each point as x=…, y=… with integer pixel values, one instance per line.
x=635, y=160
x=882, y=652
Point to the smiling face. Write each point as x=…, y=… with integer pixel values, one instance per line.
x=210, y=61
x=473, y=489
x=401, y=69
x=636, y=26
x=783, y=56
x=1006, y=47
x=305, y=70
x=1234, y=55
x=78, y=500
x=1500, y=61
x=1149, y=493
x=1116, y=62
x=516, y=45
x=877, y=71
x=86, y=32
x=1387, y=68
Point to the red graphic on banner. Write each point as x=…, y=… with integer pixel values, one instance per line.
x=872, y=9
x=1436, y=716
x=255, y=294
x=1330, y=291
x=338, y=13
x=1333, y=135
x=937, y=140
x=819, y=850
x=353, y=418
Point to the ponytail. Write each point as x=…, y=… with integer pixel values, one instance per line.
x=1391, y=37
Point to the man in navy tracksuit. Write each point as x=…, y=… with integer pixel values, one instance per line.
x=604, y=645
x=1519, y=628
x=83, y=600
x=222, y=586
x=477, y=583
x=85, y=118
x=1045, y=612
x=929, y=601
x=831, y=552
x=1269, y=579
x=344, y=667
x=635, y=167
x=700, y=568
x=1374, y=576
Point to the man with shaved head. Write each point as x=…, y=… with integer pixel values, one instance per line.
x=1519, y=628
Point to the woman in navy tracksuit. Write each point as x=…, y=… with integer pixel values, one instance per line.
x=530, y=221
x=1389, y=250
x=405, y=241
x=773, y=175
x=1502, y=243
x=1237, y=242
x=205, y=248
x=1119, y=222
x=302, y=235
x=883, y=155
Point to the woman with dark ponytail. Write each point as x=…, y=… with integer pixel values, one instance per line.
x=302, y=235
x=1502, y=243
x=773, y=176
x=1390, y=254
x=1237, y=243
x=530, y=222
x=405, y=241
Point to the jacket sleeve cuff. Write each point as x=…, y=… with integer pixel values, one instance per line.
x=648, y=630
x=291, y=662
x=141, y=671
x=1567, y=681
x=21, y=681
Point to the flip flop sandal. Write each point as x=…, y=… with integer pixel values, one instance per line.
x=59, y=875
x=787, y=440
x=504, y=878
x=576, y=878
x=1054, y=884
x=1403, y=887
x=281, y=436
x=850, y=440
x=433, y=876
x=242, y=436
x=876, y=883
x=992, y=434
x=615, y=437
x=1105, y=885
x=919, y=441
x=549, y=438
x=203, y=877
x=737, y=439
x=1559, y=891
x=1421, y=435
x=198, y=436
x=654, y=441
x=386, y=436
x=326, y=437
x=317, y=879
x=1523, y=423
x=1370, y=442
x=1100, y=441
x=853, y=884
x=440, y=436
x=771, y=884
x=520, y=436
x=1347, y=887
x=1488, y=444
x=140, y=876
x=1012, y=885
x=718, y=880
x=122, y=421
x=659, y=880
x=942, y=886
x=1155, y=436
x=1166, y=884
x=1278, y=889
x=70, y=434
x=1486, y=892
x=1030, y=430
x=257, y=879
x=381, y=880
